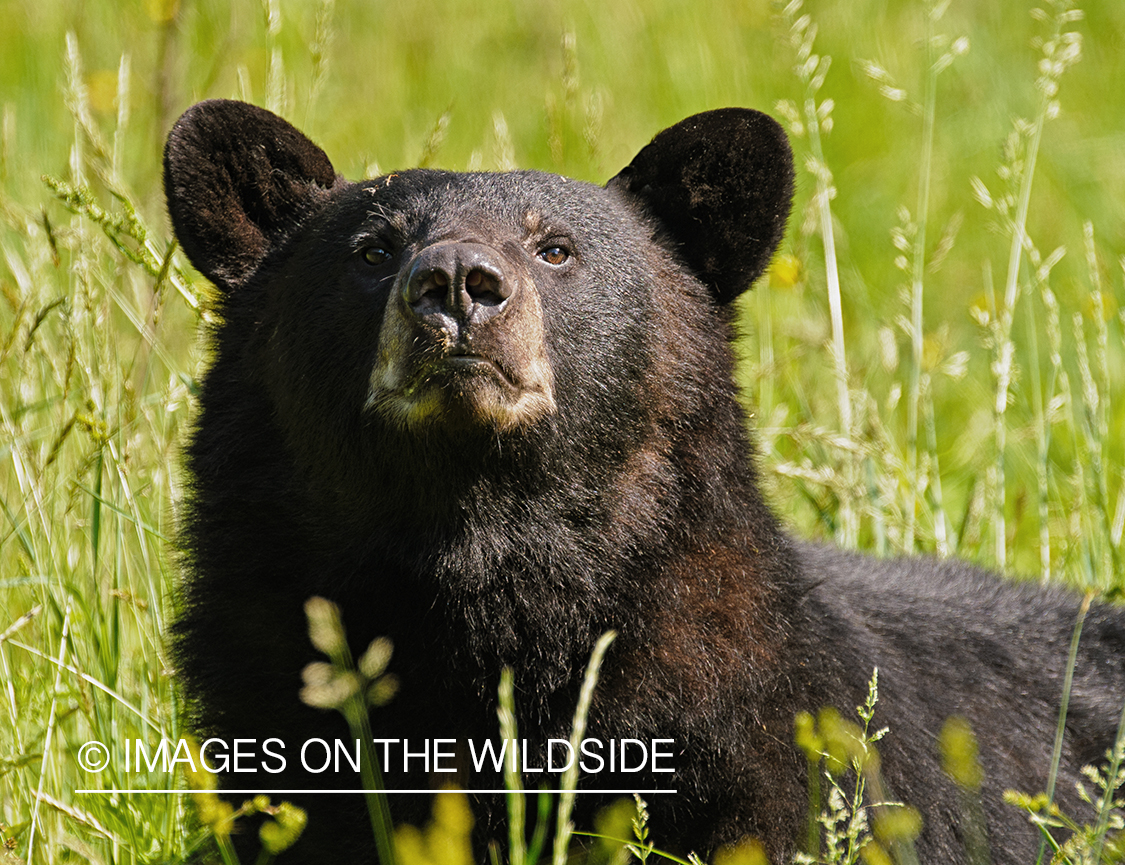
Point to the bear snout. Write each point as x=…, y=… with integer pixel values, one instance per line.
x=462, y=342
x=457, y=283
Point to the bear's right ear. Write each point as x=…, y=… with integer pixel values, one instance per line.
x=720, y=184
x=238, y=179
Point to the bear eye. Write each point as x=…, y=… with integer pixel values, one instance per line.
x=376, y=255
x=554, y=255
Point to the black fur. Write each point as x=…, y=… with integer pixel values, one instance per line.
x=480, y=532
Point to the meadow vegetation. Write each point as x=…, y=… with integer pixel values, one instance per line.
x=934, y=364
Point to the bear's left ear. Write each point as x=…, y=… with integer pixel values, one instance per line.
x=721, y=184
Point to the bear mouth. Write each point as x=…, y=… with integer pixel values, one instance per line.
x=475, y=364
x=462, y=378
x=460, y=386
x=458, y=370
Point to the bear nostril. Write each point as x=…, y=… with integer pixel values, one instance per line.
x=486, y=288
x=427, y=288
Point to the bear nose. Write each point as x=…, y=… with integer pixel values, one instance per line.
x=463, y=280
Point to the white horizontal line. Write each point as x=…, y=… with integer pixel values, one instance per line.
x=257, y=792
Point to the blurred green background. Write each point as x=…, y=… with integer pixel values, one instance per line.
x=995, y=432
x=393, y=69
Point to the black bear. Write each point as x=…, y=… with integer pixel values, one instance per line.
x=491, y=415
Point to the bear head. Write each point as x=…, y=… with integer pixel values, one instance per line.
x=434, y=318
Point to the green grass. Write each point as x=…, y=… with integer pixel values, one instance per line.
x=927, y=382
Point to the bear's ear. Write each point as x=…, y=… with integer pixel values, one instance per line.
x=238, y=179
x=721, y=184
